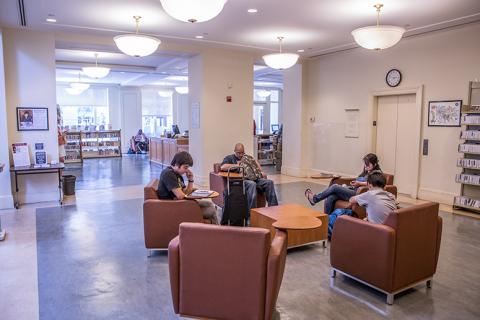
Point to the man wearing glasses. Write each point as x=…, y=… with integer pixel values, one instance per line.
x=254, y=177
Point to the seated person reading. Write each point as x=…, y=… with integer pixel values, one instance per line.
x=139, y=142
x=172, y=186
x=254, y=177
x=336, y=192
x=377, y=202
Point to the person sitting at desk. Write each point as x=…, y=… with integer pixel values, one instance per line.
x=139, y=142
x=172, y=186
x=254, y=177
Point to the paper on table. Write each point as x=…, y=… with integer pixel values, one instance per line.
x=201, y=193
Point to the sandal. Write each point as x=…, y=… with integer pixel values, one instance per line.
x=306, y=195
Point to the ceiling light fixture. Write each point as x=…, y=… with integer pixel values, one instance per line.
x=73, y=91
x=199, y=37
x=82, y=86
x=165, y=93
x=51, y=18
x=96, y=72
x=378, y=37
x=193, y=10
x=300, y=50
x=263, y=93
x=280, y=61
x=136, y=45
x=181, y=90
x=252, y=10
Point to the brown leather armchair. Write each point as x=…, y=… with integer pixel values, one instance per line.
x=161, y=218
x=359, y=211
x=226, y=272
x=219, y=183
x=390, y=257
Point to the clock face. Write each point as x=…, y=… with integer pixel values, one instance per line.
x=393, y=77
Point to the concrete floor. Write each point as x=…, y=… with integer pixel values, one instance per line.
x=88, y=261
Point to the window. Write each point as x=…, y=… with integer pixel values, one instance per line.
x=157, y=113
x=84, y=116
x=266, y=108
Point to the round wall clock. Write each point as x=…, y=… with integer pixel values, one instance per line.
x=393, y=78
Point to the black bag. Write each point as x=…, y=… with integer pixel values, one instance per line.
x=235, y=209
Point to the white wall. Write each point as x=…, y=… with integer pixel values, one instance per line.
x=6, y=199
x=443, y=62
x=181, y=111
x=30, y=82
x=213, y=76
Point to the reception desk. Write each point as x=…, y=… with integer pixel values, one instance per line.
x=162, y=150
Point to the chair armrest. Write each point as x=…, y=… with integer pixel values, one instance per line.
x=341, y=180
x=174, y=271
x=275, y=268
x=392, y=189
x=364, y=250
x=218, y=184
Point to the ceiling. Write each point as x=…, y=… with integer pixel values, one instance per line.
x=316, y=26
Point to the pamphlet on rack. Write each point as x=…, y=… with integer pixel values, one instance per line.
x=21, y=156
x=40, y=156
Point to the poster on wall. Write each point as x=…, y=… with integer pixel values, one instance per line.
x=196, y=115
x=444, y=113
x=21, y=156
x=32, y=119
x=352, y=129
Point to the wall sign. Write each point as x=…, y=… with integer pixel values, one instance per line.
x=32, y=119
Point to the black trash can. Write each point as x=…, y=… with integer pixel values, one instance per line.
x=69, y=185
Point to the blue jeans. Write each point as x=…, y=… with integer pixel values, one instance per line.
x=332, y=194
x=333, y=216
x=264, y=185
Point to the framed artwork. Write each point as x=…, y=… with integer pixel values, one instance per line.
x=32, y=119
x=444, y=113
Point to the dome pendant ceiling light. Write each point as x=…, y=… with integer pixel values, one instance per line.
x=80, y=86
x=136, y=45
x=193, y=10
x=96, y=72
x=280, y=61
x=378, y=37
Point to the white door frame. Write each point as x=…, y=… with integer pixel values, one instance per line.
x=373, y=102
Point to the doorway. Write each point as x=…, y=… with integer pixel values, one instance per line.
x=397, y=138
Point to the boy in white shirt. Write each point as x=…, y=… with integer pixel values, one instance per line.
x=378, y=202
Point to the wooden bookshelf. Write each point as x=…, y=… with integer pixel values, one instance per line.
x=73, y=148
x=101, y=144
x=469, y=197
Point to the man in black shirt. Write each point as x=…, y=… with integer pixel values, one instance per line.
x=254, y=177
x=172, y=186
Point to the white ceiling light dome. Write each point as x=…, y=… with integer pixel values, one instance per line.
x=73, y=91
x=193, y=10
x=165, y=93
x=137, y=45
x=96, y=72
x=181, y=90
x=79, y=85
x=280, y=61
x=378, y=37
x=263, y=93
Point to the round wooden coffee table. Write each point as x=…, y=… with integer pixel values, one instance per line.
x=298, y=223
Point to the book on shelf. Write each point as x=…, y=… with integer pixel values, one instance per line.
x=469, y=163
x=470, y=119
x=469, y=148
x=470, y=134
x=467, y=202
x=467, y=178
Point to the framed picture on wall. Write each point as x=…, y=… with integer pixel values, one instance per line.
x=444, y=113
x=32, y=119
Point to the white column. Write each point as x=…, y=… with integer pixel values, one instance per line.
x=29, y=61
x=213, y=76
x=6, y=199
